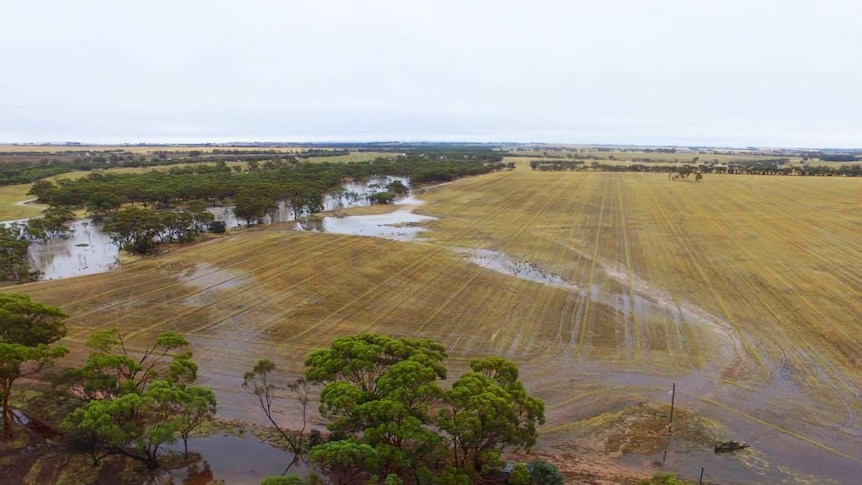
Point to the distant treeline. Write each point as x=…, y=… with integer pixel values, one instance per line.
x=776, y=166
x=104, y=192
x=22, y=172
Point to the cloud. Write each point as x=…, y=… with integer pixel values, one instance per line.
x=661, y=72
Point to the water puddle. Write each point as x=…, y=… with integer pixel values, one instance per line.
x=519, y=268
x=400, y=225
x=635, y=304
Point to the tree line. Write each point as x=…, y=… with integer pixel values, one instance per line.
x=143, y=210
x=743, y=167
x=26, y=171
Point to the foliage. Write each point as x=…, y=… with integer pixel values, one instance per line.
x=379, y=391
x=14, y=258
x=545, y=473
x=42, y=189
x=136, y=403
x=288, y=480
x=520, y=475
x=253, y=204
x=112, y=369
x=133, y=425
x=192, y=406
x=345, y=460
x=27, y=328
x=17, y=360
x=135, y=229
x=385, y=197
x=663, y=479
x=26, y=322
x=487, y=411
x=397, y=187
x=52, y=224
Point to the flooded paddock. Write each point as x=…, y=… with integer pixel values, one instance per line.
x=88, y=250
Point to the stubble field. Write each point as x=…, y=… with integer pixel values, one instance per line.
x=743, y=290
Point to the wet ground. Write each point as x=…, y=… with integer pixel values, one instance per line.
x=89, y=251
x=794, y=440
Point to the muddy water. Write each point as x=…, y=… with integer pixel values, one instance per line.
x=232, y=459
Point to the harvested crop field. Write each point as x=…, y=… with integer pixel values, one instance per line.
x=605, y=288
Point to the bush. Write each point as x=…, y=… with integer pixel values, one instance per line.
x=663, y=479
x=520, y=475
x=545, y=473
x=288, y=480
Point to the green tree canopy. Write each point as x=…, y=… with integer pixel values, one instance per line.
x=18, y=360
x=488, y=410
x=26, y=322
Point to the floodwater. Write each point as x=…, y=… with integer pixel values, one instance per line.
x=772, y=458
x=400, y=225
x=355, y=194
x=230, y=459
x=89, y=251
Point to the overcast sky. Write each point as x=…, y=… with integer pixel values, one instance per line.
x=738, y=73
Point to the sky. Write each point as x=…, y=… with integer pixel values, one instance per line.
x=689, y=72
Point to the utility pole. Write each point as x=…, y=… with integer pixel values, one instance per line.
x=672, y=399
x=670, y=424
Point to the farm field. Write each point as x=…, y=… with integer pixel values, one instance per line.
x=608, y=288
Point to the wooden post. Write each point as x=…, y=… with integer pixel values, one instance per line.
x=672, y=400
x=700, y=482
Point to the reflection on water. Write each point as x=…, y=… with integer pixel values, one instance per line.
x=354, y=194
x=400, y=225
x=87, y=251
x=230, y=459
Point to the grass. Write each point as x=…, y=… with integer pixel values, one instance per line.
x=742, y=289
x=11, y=208
x=350, y=157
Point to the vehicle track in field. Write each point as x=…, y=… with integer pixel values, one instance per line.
x=634, y=338
x=218, y=268
x=438, y=247
x=523, y=225
x=181, y=283
x=132, y=276
x=766, y=303
x=549, y=352
x=739, y=363
x=551, y=201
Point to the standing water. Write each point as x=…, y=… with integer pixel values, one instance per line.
x=89, y=251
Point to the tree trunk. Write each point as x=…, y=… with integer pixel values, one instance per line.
x=7, y=421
